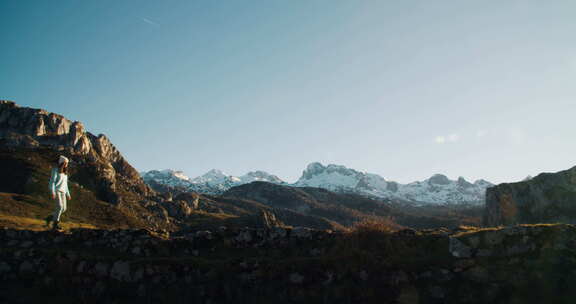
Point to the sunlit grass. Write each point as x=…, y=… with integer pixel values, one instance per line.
x=18, y=222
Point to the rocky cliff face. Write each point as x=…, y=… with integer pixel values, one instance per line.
x=27, y=128
x=546, y=198
x=521, y=264
x=31, y=141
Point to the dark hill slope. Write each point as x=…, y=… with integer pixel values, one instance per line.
x=192, y=208
x=341, y=208
x=346, y=209
x=546, y=198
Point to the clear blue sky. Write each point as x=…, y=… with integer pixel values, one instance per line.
x=404, y=89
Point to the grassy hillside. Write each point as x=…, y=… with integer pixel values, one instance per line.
x=25, y=199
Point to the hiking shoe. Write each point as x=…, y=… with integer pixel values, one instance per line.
x=55, y=226
x=48, y=219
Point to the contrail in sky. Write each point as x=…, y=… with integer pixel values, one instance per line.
x=150, y=21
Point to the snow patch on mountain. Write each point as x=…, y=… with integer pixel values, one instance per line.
x=437, y=189
x=260, y=176
x=332, y=177
x=212, y=182
x=167, y=177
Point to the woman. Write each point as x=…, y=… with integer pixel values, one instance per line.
x=59, y=189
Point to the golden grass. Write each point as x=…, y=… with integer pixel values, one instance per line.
x=472, y=230
x=18, y=222
x=376, y=225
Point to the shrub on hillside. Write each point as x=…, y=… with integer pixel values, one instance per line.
x=376, y=225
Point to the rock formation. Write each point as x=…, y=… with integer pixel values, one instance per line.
x=31, y=141
x=27, y=128
x=546, y=198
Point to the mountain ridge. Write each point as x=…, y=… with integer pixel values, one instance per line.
x=213, y=182
x=437, y=189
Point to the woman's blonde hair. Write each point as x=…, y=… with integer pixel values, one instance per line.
x=62, y=167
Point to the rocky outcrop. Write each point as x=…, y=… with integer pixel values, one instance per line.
x=182, y=206
x=269, y=219
x=521, y=264
x=546, y=198
x=110, y=174
x=41, y=127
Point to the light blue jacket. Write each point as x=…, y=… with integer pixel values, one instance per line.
x=58, y=182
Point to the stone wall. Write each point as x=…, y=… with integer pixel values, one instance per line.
x=520, y=264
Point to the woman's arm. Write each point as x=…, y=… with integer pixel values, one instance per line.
x=67, y=189
x=52, y=182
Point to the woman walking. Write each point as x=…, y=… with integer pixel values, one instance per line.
x=59, y=190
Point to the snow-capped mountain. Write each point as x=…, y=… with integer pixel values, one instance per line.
x=440, y=189
x=213, y=182
x=260, y=176
x=167, y=177
x=436, y=189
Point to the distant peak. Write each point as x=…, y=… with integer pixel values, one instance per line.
x=337, y=167
x=258, y=173
x=313, y=169
x=260, y=176
x=215, y=172
x=462, y=182
x=483, y=183
x=314, y=166
x=439, y=179
x=169, y=172
x=439, y=175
